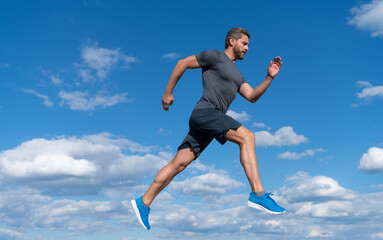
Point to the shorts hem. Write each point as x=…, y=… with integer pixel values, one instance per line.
x=186, y=145
x=222, y=142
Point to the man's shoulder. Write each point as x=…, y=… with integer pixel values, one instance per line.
x=216, y=51
x=209, y=57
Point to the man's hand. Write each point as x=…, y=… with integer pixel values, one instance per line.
x=167, y=100
x=274, y=67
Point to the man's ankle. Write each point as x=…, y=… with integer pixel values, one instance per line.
x=144, y=203
x=260, y=193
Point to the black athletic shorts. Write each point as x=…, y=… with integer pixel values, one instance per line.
x=206, y=124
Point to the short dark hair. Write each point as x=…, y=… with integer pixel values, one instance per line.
x=235, y=33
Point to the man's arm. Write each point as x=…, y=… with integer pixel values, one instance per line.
x=253, y=95
x=187, y=63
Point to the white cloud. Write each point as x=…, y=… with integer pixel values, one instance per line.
x=49, y=165
x=26, y=208
x=372, y=161
x=363, y=84
x=102, y=60
x=96, y=63
x=196, y=164
x=86, y=75
x=330, y=218
x=108, y=139
x=261, y=125
x=10, y=234
x=353, y=210
x=56, y=80
x=317, y=233
x=212, y=183
x=201, y=224
x=369, y=17
x=377, y=235
x=326, y=209
x=319, y=200
x=170, y=56
x=83, y=101
x=369, y=90
x=314, y=189
x=243, y=116
x=293, y=155
x=47, y=101
x=164, y=132
x=78, y=165
x=225, y=201
x=285, y=136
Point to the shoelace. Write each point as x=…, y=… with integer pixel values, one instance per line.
x=268, y=196
x=147, y=211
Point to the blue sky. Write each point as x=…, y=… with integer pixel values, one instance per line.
x=83, y=130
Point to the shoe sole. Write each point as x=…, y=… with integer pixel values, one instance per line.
x=259, y=207
x=134, y=204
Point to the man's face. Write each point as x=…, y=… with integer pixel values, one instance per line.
x=240, y=47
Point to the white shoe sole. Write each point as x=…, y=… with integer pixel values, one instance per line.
x=259, y=207
x=134, y=204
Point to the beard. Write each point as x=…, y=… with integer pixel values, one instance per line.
x=239, y=55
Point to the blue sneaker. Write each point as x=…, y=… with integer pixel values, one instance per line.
x=265, y=203
x=142, y=212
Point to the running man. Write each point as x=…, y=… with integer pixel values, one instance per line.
x=221, y=82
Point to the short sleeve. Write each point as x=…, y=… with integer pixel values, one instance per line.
x=208, y=58
x=243, y=79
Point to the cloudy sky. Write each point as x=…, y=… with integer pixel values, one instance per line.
x=83, y=130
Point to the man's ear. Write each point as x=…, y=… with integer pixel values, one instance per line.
x=232, y=42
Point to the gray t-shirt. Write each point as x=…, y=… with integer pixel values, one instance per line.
x=221, y=80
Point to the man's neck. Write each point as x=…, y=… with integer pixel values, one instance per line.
x=230, y=54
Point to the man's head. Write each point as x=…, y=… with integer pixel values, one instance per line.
x=238, y=39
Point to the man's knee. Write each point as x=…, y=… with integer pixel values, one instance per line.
x=180, y=166
x=241, y=136
x=183, y=159
x=249, y=137
x=246, y=137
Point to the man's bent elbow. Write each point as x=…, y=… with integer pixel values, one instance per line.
x=253, y=100
x=181, y=64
